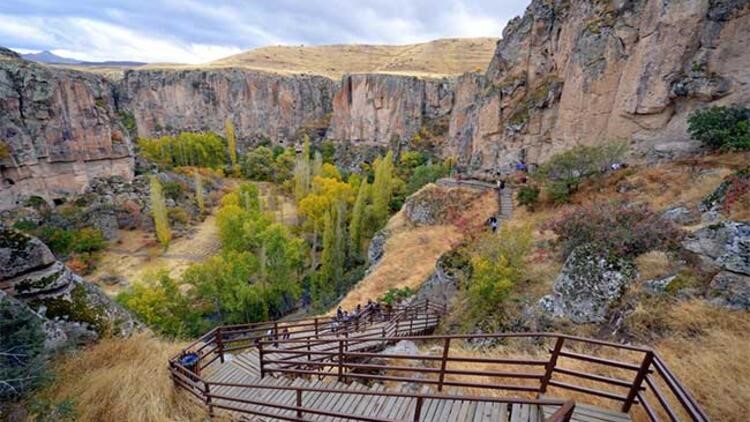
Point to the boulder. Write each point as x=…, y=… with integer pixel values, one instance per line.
x=20, y=254
x=682, y=215
x=588, y=284
x=730, y=290
x=377, y=247
x=722, y=246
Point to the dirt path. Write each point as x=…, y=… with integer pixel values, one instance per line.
x=138, y=253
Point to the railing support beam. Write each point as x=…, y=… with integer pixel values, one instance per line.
x=550, y=368
x=444, y=362
x=635, y=388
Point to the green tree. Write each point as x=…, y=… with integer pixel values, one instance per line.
x=159, y=213
x=186, y=149
x=302, y=169
x=382, y=189
x=231, y=143
x=358, y=217
x=726, y=128
x=22, y=365
x=258, y=164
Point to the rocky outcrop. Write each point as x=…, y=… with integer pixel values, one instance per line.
x=31, y=275
x=723, y=251
x=588, y=284
x=570, y=72
x=261, y=105
x=388, y=110
x=58, y=129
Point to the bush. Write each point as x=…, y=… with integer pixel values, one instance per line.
x=725, y=128
x=172, y=190
x=560, y=191
x=178, y=215
x=498, y=262
x=528, y=196
x=619, y=228
x=87, y=240
x=258, y=164
x=396, y=295
x=425, y=174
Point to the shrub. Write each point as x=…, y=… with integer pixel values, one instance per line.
x=396, y=295
x=498, y=262
x=560, y=191
x=57, y=239
x=425, y=174
x=88, y=239
x=172, y=189
x=178, y=215
x=619, y=228
x=725, y=128
x=528, y=196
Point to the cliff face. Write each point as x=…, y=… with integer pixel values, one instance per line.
x=58, y=129
x=378, y=109
x=573, y=71
x=261, y=105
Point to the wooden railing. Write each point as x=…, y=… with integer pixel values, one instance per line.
x=640, y=380
x=213, y=345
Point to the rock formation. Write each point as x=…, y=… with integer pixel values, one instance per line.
x=261, y=105
x=58, y=129
x=574, y=71
x=387, y=109
x=588, y=284
x=31, y=275
x=566, y=72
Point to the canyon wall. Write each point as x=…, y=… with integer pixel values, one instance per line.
x=567, y=72
x=261, y=105
x=583, y=72
x=58, y=130
x=381, y=109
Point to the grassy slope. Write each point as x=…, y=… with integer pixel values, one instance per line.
x=437, y=58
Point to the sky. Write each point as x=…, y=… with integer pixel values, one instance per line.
x=198, y=31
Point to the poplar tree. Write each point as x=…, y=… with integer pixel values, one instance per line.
x=358, y=213
x=323, y=289
x=302, y=177
x=382, y=188
x=231, y=143
x=159, y=213
x=317, y=165
x=199, y=196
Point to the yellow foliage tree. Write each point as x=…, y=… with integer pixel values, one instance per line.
x=200, y=198
x=160, y=213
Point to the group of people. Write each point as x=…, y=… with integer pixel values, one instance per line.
x=344, y=318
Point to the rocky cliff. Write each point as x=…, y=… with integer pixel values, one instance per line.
x=261, y=105
x=382, y=109
x=58, y=129
x=574, y=71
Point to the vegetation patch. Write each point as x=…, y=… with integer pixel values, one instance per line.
x=722, y=128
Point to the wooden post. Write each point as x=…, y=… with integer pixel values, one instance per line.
x=309, y=358
x=642, y=373
x=206, y=392
x=397, y=323
x=276, y=330
x=341, y=360
x=220, y=344
x=316, y=328
x=444, y=362
x=418, y=409
x=411, y=326
x=260, y=359
x=299, y=403
x=426, y=305
x=551, y=365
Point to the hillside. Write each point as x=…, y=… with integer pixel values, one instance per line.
x=444, y=57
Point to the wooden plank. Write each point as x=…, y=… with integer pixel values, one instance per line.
x=367, y=407
x=428, y=409
x=471, y=410
x=352, y=401
x=515, y=413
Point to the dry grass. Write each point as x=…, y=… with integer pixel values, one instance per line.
x=444, y=57
x=654, y=264
x=123, y=380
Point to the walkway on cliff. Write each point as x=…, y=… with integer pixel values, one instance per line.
x=325, y=372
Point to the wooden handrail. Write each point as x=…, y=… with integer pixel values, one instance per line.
x=324, y=353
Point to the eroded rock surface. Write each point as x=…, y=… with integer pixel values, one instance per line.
x=70, y=306
x=570, y=72
x=59, y=129
x=588, y=284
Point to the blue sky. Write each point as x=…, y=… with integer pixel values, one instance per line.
x=195, y=31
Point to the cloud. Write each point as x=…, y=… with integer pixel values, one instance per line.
x=196, y=31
